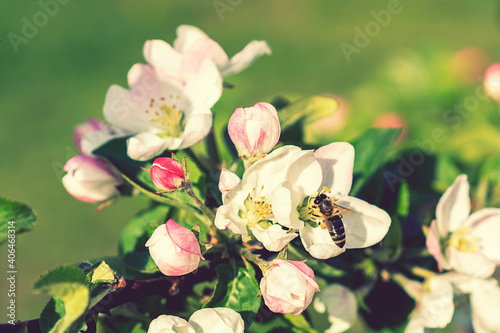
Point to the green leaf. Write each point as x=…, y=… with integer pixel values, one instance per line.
x=237, y=289
x=14, y=216
x=101, y=273
x=371, y=149
x=403, y=207
x=115, y=151
x=140, y=262
x=300, y=322
x=307, y=110
x=67, y=284
x=135, y=234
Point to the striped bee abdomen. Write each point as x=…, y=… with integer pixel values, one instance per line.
x=336, y=229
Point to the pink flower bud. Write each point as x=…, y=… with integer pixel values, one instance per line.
x=288, y=286
x=91, y=179
x=255, y=130
x=94, y=133
x=492, y=81
x=167, y=174
x=174, y=249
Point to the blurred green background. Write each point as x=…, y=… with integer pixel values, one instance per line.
x=425, y=62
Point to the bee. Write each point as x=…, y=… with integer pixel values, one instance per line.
x=329, y=213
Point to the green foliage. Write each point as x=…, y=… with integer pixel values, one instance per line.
x=14, y=214
x=66, y=310
x=296, y=115
x=371, y=150
x=237, y=289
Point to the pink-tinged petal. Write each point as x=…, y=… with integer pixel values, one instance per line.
x=254, y=130
x=274, y=238
x=337, y=163
x=319, y=243
x=245, y=57
x=163, y=57
x=492, y=81
x=183, y=238
x=365, y=224
x=146, y=145
x=91, y=179
x=286, y=198
x=198, y=125
x=227, y=180
x=303, y=268
x=454, y=207
x=167, y=324
x=187, y=35
x=167, y=174
x=90, y=126
x=485, y=225
x=471, y=263
x=434, y=247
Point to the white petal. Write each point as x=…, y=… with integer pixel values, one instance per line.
x=485, y=224
x=273, y=238
x=170, y=324
x=245, y=57
x=319, y=243
x=163, y=57
x=227, y=180
x=204, y=87
x=485, y=304
x=454, y=206
x=285, y=200
x=227, y=218
x=436, y=304
x=337, y=163
x=145, y=146
x=187, y=35
x=471, y=263
x=305, y=173
x=217, y=320
x=198, y=125
x=365, y=224
x=341, y=306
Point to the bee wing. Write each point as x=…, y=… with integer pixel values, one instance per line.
x=345, y=211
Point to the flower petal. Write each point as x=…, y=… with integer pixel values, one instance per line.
x=163, y=57
x=485, y=224
x=204, y=87
x=337, y=163
x=220, y=320
x=319, y=243
x=434, y=247
x=286, y=198
x=227, y=180
x=470, y=263
x=365, y=224
x=245, y=57
x=198, y=125
x=454, y=206
x=274, y=238
x=485, y=304
x=146, y=145
x=305, y=173
x=169, y=324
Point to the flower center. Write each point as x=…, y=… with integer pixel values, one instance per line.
x=167, y=116
x=257, y=212
x=309, y=211
x=463, y=240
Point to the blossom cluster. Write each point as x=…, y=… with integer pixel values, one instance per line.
x=272, y=195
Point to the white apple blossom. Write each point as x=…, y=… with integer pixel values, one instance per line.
x=328, y=169
x=247, y=205
x=210, y=320
x=192, y=47
x=162, y=111
x=340, y=304
x=462, y=243
x=435, y=307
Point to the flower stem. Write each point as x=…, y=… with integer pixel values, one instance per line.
x=188, y=189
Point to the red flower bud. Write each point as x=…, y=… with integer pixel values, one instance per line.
x=167, y=174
